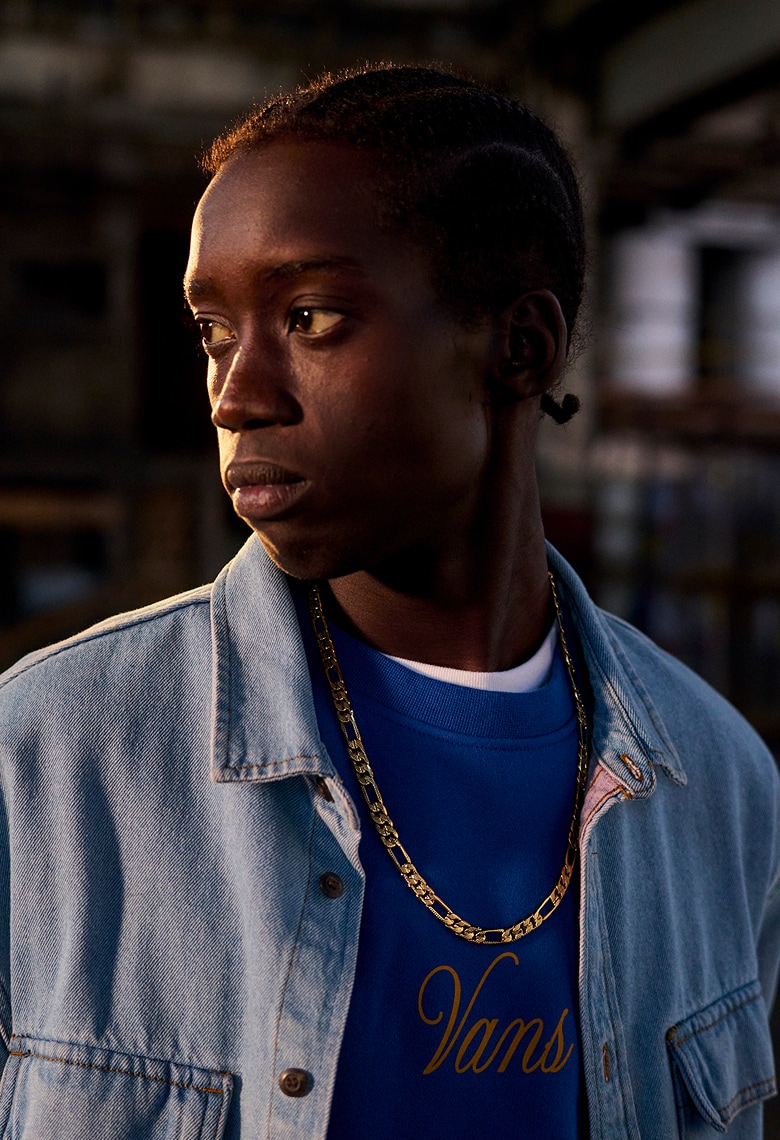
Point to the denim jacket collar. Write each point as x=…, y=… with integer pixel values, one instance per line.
x=268, y=731
x=260, y=731
x=629, y=736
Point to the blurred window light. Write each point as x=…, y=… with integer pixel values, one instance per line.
x=694, y=303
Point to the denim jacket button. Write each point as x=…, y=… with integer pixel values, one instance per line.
x=331, y=885
x=294, y=1082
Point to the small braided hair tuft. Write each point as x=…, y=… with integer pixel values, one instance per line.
x=560, y=412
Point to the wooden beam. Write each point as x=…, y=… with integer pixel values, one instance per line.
x=684, y=53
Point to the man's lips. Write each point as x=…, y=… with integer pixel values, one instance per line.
x=251, y=473
x=261, y=490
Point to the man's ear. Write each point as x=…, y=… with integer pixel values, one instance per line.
x=533, y=343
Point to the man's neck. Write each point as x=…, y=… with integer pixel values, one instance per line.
x=485, y=612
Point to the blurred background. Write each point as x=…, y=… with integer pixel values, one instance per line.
x=663, y=491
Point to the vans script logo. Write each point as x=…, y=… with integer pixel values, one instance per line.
x=481, y=1043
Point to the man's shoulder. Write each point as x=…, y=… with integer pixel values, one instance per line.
x=625, y=663
x=699, y=719
x=125, y=637
x=659, y=667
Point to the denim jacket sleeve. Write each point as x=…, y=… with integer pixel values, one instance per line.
x=5, y=932
x=769, y=940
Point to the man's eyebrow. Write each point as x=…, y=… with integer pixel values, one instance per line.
x=287, y=271
x=291, y=269
x=195, y=288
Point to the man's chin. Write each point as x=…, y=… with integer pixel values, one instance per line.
x=308, y=563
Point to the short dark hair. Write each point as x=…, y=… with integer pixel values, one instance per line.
x=475, y=178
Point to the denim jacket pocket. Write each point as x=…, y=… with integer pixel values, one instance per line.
x=55, y=1089
x=722, y=1057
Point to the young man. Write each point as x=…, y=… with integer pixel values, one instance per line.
x=216, y=806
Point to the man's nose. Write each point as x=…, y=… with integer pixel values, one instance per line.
x=253, y=393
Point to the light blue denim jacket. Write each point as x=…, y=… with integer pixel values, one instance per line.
x=167, y=951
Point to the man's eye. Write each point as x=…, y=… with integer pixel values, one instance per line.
x=213, y=332
x=313, y=321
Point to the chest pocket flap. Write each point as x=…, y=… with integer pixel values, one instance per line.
x=723, y=1055
x=52, y=1089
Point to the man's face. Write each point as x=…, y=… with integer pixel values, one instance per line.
x=349, y=403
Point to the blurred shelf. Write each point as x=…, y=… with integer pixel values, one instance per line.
x=31, y=509
x=746, y=584
x=734, y=420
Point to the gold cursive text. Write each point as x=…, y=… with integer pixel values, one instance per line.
x=475, y=1044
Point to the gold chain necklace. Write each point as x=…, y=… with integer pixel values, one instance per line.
x=384, y=825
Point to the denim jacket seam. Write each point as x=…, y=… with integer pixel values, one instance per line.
x=182, y=1061
x=703, y=1029
x=14, y=1070
x=115, y=1069
x=760, y=1088
x=5, y=1030
x=95, y=635
x=272, y=763
x=609, y=990
x=290, y=967
x=613, y=792
x=774, y=886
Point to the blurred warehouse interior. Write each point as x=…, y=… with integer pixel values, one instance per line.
x=663, y=491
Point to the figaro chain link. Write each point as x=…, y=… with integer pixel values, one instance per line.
x=383, y=823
